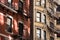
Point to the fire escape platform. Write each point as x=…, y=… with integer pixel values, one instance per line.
x=1, y=4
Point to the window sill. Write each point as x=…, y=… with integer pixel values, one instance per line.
x=40, y=22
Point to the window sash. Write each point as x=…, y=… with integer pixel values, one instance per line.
x=43, y=3
x=9, y=21
x=38, y=33
x=42, y=16
x=38, y=17
x=58, y=21
x=38, y=3
x=43, y=34
x=9, y=1
x=9, y=25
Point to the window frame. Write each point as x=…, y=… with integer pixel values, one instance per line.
x=9, y=25
x=8, y=16
x=40, y=3
x=58, y=21
x=39, y=33
x=10, y=21
x=44, y=19
x=10, y=3
x=38, y=17
x=44, y=35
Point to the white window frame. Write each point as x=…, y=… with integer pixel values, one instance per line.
x=38, y=33
x=7, y=24
x=9, y=1
x=38, y=16
x=42, y=3
x=38, y=2
x=42, y=18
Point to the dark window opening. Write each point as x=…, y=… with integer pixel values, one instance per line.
x=58, y=21
x=51, y=25
x=20, y=30
x=58, y=8
x=20, y=7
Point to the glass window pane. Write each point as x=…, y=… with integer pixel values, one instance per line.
x=38, y=33
x=38, y=3
x=42, y=18
x=38, y=14
x=42, y=1
x=42, y=34
x=9, y=1
x=8, y=21
x=38, y=19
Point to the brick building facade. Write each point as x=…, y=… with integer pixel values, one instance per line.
x=14, y=20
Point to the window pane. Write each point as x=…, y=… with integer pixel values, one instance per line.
x=38, y=33
x=38, y=3
x=9, y=1
x=58, y=21
x=42, y=3
x=21, y=0
x=42, y=34
x=8, y=21
x=38, y=19
x=42, y=18
x=38, y=14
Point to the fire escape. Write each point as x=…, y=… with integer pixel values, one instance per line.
x=51, y=10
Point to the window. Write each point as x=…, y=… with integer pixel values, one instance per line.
x=38, y=34
x=43, y=34
x=58, y=21
x=58, y=8
x=38, y=3
x=9, y=3
x=9, y=24
x=43, y=18
x=20, y=30
x=21, y=0
x=51, y=25
x=21, y=6
x=38, y=17
x=41, y=3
